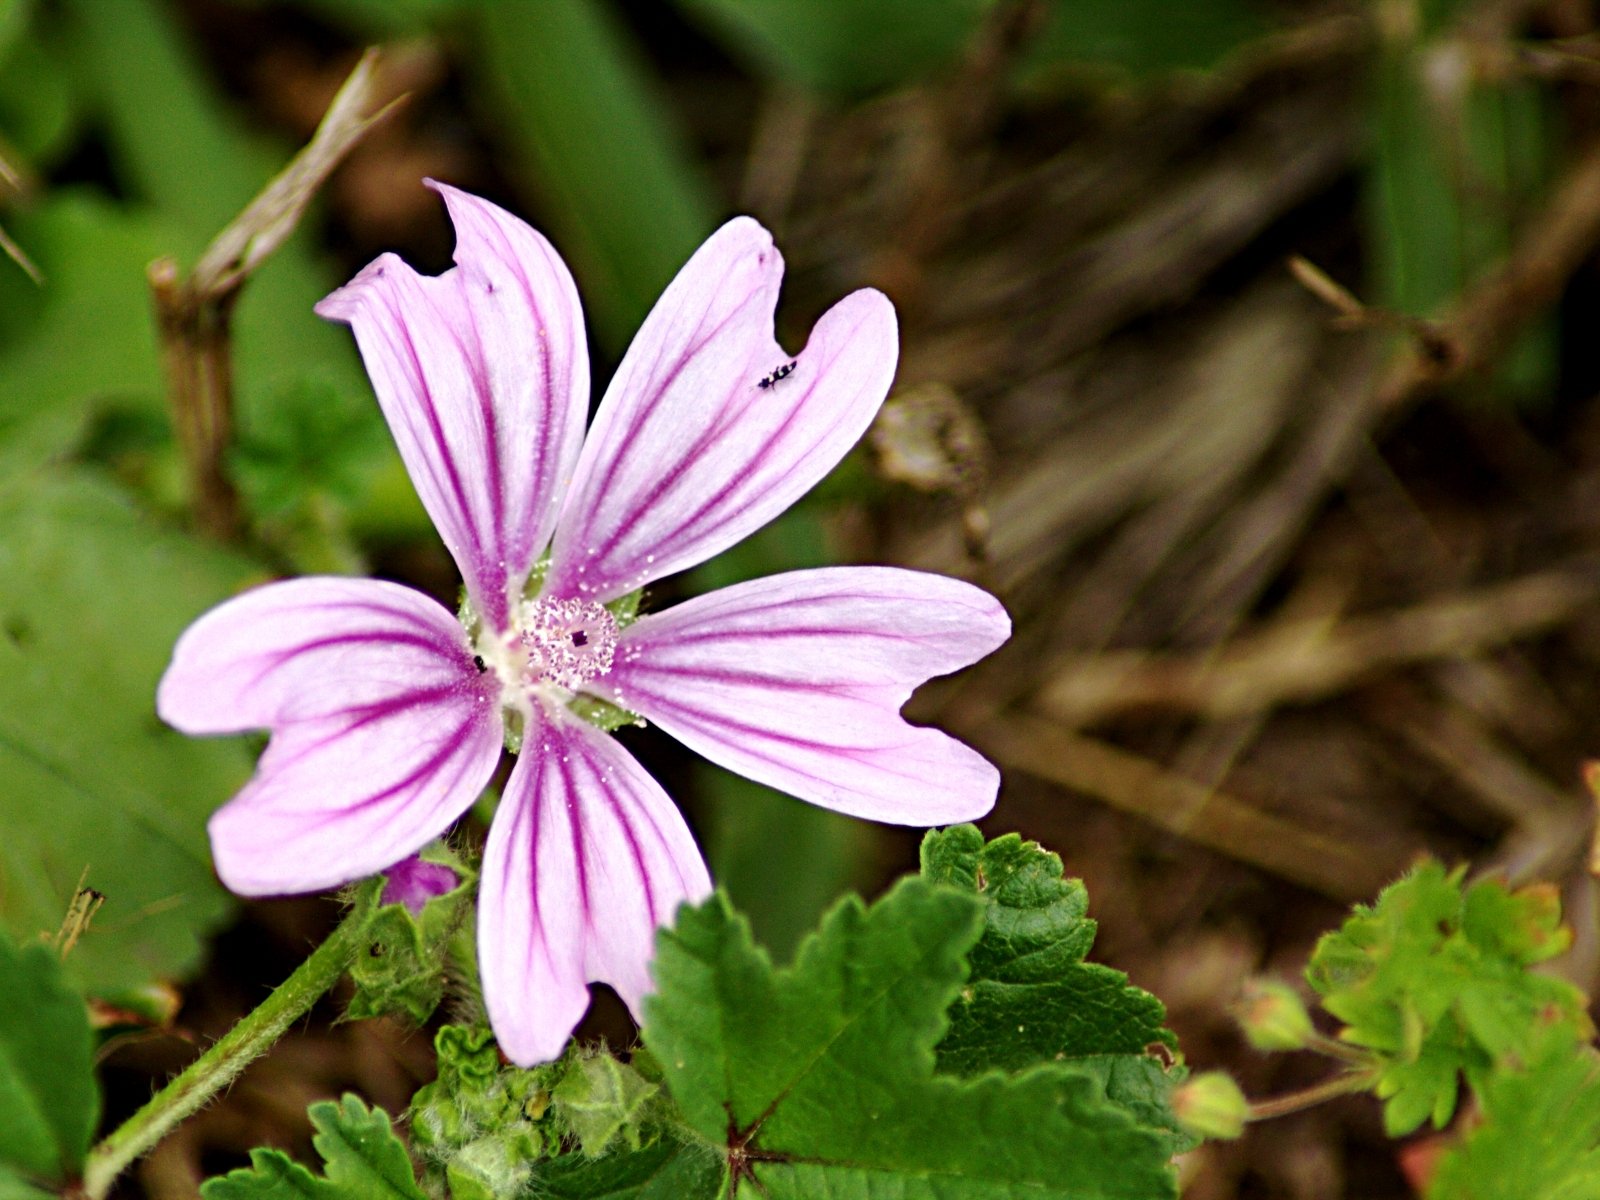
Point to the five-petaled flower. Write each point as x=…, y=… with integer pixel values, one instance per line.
x=387, y=712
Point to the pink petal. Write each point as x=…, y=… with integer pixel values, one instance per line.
x=383, y=729
x=797, y=680
x=687, y=454
x=586, y=857
x=483, y=376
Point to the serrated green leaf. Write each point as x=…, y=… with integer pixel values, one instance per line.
x=1434, y=979
x=92, y=597
x=846, y=46
x=47, y=1089
x=1030, y=997
x=365, y=1161
x=1537, y=1134
x=817, y=1079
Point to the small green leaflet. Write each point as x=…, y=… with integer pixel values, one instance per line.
x=818, y=1079
x=365, y=1161
x=47, y=1089
x=1434, y=978
x=1539, y=1133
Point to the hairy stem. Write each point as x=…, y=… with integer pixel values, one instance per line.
x=220, y=1065
x=1321, y=1093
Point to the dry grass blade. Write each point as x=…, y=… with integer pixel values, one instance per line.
x=272, y=216
x=1336, y=866
x=1303, y=659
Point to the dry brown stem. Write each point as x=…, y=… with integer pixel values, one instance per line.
x=1334, y=866
x=1303, y=659
x=194, y=315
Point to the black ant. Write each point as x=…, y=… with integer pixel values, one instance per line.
x=777, y=374
x=477, y=661
x=580, y=638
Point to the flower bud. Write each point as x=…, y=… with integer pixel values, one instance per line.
x=1211, y=1106
x=413, y=882
x=1273, y=1017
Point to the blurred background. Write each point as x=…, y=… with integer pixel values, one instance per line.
x=1250, y=355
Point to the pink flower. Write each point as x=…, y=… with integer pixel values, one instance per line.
x=388, y=712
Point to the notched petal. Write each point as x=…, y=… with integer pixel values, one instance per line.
x=483, y=377
x=797, y=681
x=689, y=452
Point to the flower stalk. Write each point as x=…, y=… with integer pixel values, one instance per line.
x=221, y=1065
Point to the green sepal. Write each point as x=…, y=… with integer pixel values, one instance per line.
x=602, y=714
x=479, y=1126
x=604, y=1103
x=405, y=965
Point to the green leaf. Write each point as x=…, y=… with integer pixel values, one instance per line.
x=817, y=1079
x=667, y=1170
x=1538, y=1132
x=846, y=46
x=84, y=337
x=92, y=597
x=1031, y=998
x=47, y=1087
x=365, y=1161
x=1434, y=979
x=1142, y=37
x=586, y=130
x=1460, y=157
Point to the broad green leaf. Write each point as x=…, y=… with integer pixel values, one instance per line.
x=1142, y=37
x=585, y=130
x=85, y=338
x=47, y=1088
x=1459, y=160
x=365, y=1161
x=667, y=1170
x=1538, y=1132
x=817, y=1079
x=1030, y=997
x=1434, y=979
x=38, y=109
x=92, y=597
x=846, y=46
x=14, y=1187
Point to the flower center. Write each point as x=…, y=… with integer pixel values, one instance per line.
x=567, y=642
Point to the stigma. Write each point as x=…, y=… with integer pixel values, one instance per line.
x=564, y=643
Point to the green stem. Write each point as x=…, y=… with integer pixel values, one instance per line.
x=221, y=1065
x=1292, y=1102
